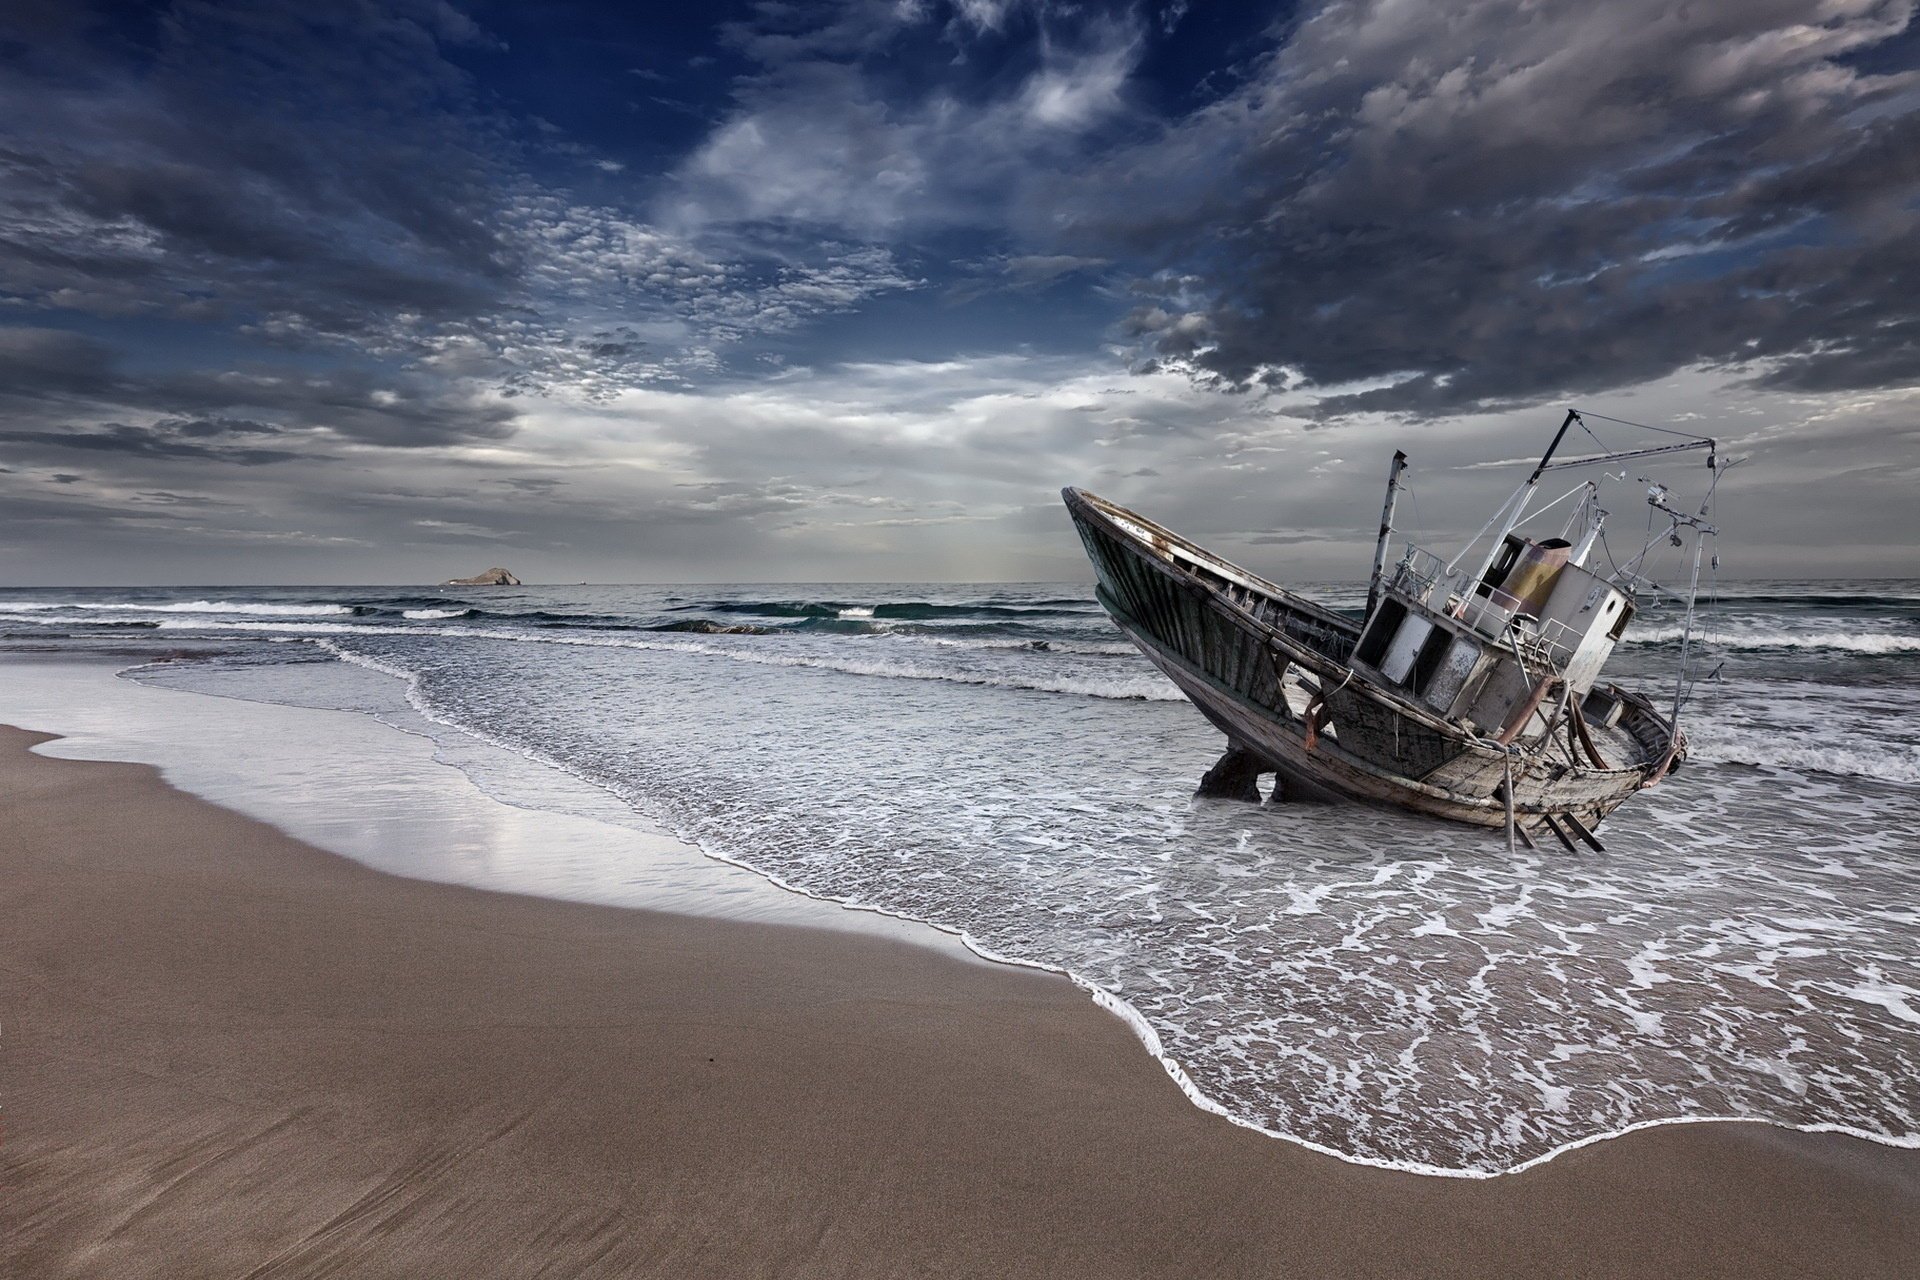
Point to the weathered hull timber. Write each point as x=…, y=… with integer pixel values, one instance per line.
x=1272, y=671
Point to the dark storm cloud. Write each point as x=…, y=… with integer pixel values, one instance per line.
x=314, y=166
x=1487, y=203
x=202, y=427
x=116, y=437
x=55, y=379
x=38, y=363
x=315, y=284
x=332, y=180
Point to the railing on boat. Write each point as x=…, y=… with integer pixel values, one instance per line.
x=1417, y=576
x=1493, y=614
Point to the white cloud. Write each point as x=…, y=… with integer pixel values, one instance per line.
x=1078, y=90
x=951, y=469
x=817, y=140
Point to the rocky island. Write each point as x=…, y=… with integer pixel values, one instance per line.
x=494, y=577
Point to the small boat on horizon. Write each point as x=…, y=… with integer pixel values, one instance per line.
x=1470, y=689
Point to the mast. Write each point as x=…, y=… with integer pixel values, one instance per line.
x=1572, y=417
x=1517, y=504
x=1386, y=528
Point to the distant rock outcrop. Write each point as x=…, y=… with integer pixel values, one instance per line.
x=494, y=577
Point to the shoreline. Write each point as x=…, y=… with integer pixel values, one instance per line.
x=778, y=901
x=380, y=792
x=203, y=1012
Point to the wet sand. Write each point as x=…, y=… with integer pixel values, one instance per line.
x=224, y=1052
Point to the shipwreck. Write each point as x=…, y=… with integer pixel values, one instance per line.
x=1470, y=689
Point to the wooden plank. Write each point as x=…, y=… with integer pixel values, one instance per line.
x=1580, y=829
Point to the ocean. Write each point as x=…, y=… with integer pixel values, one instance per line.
x=998, y=761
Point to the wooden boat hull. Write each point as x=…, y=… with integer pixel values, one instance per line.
x=1270, y=670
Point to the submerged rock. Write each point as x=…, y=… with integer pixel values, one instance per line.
x=494, y=577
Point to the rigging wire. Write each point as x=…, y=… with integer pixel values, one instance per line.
x=1706, y=625
x=1589, y=430
x=1713, y=582
x=1643, y=551
x=1542, y=510
x=1713, y=613
x=1635, y=572
x=1643, y=426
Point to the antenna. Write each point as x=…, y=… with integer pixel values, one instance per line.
x=1657, y=499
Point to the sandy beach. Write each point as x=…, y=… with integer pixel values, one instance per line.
x=227, y=1052
x=960, y=638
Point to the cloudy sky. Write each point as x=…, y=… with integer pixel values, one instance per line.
x=385, y=291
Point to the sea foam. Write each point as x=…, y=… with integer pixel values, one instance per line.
x=1393, y=993
x=1389, y=991
x=1865, y=642
x=231, y=607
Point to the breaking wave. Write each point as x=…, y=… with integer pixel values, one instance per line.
x=1147, y=686
x=1882, y=762
x=1091, y=648
x=244, y=608
x=1867, y=642
x=708, y=627
x=91, y=624
x=902, y=611
x=1819, y=600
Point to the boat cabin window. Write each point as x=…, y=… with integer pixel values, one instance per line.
x=1386, y=624
x=1502, y=565
x=1620, y=623
x=1428, y=660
